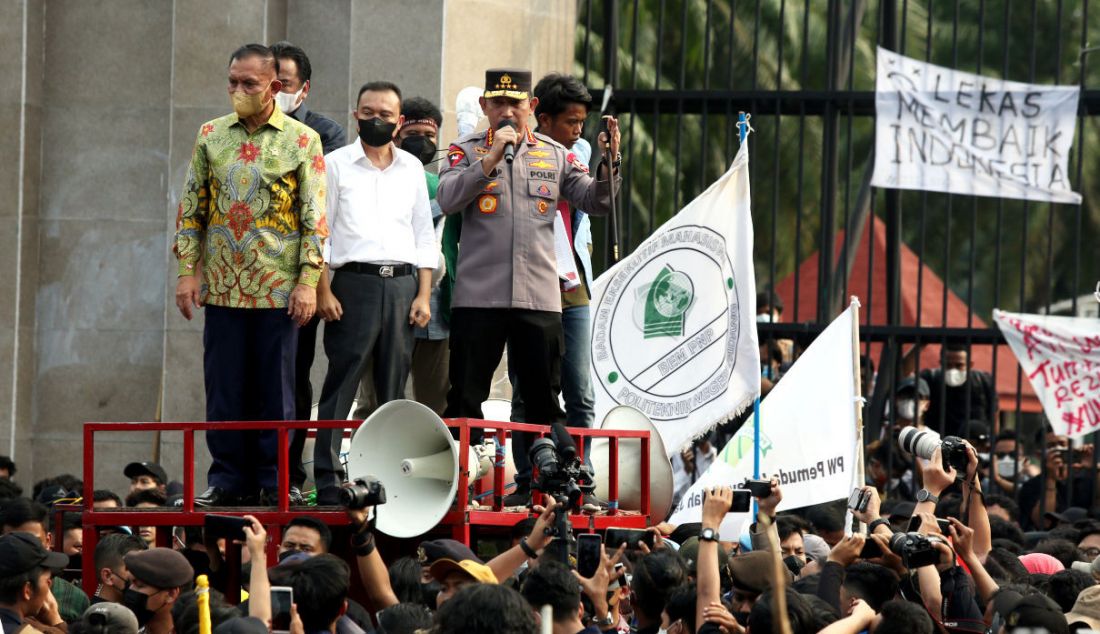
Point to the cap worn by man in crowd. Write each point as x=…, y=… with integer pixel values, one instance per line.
x=514, y=83
x=135, y=469
x=1069, y=516
x=242, y=625
x=161, y=568
x=689, y=552
x=447, y=555
x=1032, y=611
x=22, y=552
x=54, y=492
x=109, y=618
x=977, y=432
x=1041, y=563
x=910, y=382
x=754, y=571
x=1086, y=609
x=430, y=551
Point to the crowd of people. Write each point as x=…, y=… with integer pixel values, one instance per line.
x=955, y=557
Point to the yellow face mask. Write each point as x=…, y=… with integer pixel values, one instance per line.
x=246, y=105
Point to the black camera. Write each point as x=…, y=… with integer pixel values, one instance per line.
x=915, y=550
x=362, y=492
x=859, y=499
x=922, y=444
x=759, y=488
x=560, y=472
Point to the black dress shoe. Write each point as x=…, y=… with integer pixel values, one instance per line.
x=328, y=496
x=216, y=496
x=520, y=497
x=271, y=498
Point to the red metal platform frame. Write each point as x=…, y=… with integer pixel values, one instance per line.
x=460, y=519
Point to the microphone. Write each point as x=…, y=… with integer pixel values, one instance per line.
x=564, y=442
x=509, y=148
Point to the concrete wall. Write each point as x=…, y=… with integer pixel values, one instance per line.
x=101, y=105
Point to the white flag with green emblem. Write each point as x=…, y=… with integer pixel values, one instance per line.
x=808, y=433
x=674, y=323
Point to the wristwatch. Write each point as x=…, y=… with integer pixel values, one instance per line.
x=875, y=524
x=924, y=495
x=606, y=621
x=708, y=535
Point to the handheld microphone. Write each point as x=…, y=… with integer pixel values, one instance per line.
x=509, y=148
x=566, y=447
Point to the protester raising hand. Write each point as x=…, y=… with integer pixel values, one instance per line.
x=847, y=550
x=871, y=513
x=720, y=615
x=716, y=504
x=595, y=587
x=936, y=478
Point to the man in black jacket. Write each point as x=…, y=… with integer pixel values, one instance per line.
x=295, y=72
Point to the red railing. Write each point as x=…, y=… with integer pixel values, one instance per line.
x=459, y=519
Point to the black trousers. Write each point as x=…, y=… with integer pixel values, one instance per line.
x=478, y=338
x=248, y=367
x=375, y=326
x=303, y=397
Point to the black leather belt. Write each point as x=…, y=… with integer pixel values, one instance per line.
x=381, y=270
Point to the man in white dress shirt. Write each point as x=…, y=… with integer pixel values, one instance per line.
x=382, y=248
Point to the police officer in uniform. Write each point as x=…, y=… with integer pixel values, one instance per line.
x=506, y=284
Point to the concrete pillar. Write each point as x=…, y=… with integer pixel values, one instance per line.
x=103, y=103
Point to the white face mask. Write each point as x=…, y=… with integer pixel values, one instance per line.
x=1006, y=467
x=288, y=101
x=954, y=377
x=764, y=318
x=907, y=409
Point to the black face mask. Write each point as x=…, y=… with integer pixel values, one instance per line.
x=375, y=132
x=428, y=591
x=138, y=604
x=421, y=147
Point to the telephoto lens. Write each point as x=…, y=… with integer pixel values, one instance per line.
x=916, y=442
x=544, y=455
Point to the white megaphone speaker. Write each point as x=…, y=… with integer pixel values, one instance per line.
x=625, y=418
x=410, y=450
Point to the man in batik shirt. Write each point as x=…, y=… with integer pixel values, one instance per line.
x=251, y=218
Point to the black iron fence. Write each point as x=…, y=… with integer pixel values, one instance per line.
x=928, y=267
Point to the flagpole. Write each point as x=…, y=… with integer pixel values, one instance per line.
x=857, y=402
x=742, y=135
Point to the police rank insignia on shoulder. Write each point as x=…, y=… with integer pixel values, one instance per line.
x=576, y=162
x=487, y=203
x=539, y=153
x=481, y=150
x=541, y=164
x=455, y=155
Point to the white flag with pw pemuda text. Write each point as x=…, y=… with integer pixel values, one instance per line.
x=808, y=433
x=674, y=323
x=944, y=130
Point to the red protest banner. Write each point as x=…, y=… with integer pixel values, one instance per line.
x=1061, y=358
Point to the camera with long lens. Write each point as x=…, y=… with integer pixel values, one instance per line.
x=915, y=549
x=362, y=492
x=922, y=444
x=560, y=472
